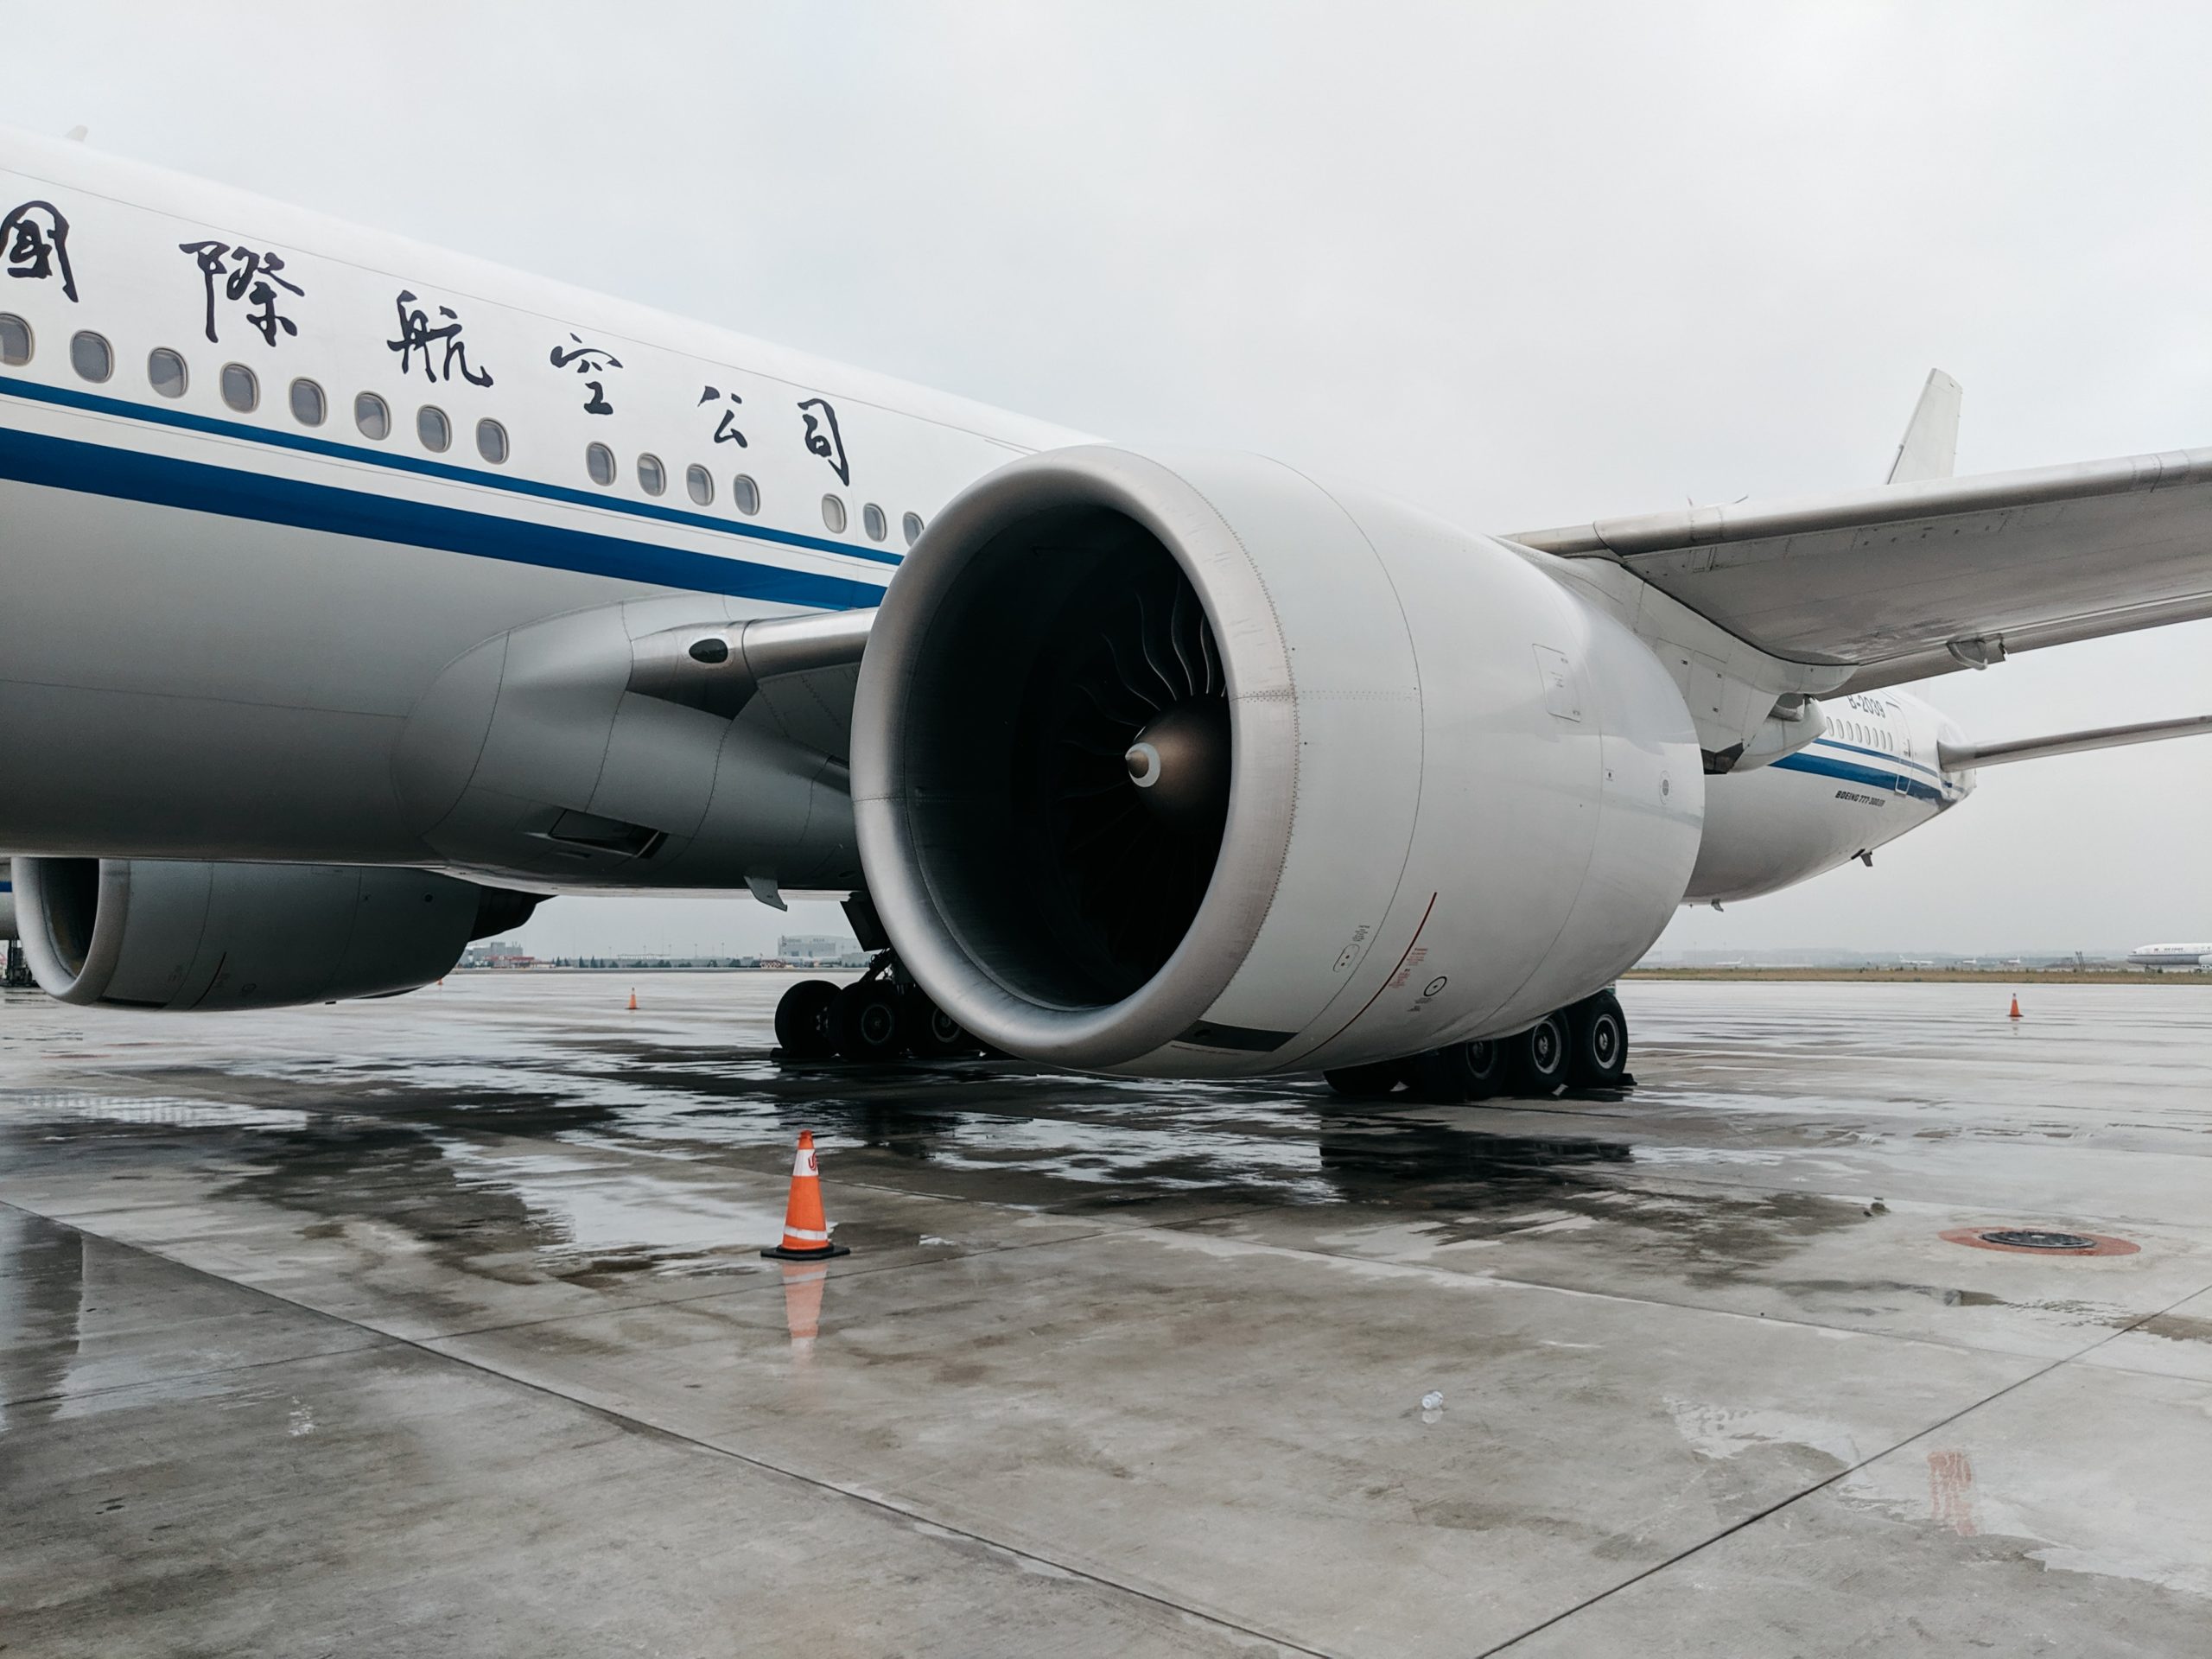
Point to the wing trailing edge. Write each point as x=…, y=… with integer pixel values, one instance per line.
x=1960, y=757
x=1899, y=581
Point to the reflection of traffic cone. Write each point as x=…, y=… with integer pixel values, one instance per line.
x=802, y=1282
x=634, y=1000
x=806, y=1234
x=2016, y=1009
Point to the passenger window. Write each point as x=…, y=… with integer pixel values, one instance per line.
x=15, y=341
x=599, y=462
x=240, y=390
x=307, y=407
x=701, y=483
x=911, y=525
x=371, y=414
x=833, y=513
x=872, y=521
x=744, y=494
x=492, y=441
x=165, y=373
x=651, y=479
x=433, y=428
x=90, y=356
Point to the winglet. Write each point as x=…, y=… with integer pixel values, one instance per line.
x=1930, y=445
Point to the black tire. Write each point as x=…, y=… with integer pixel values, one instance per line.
x=803, y=1020
x=1370, y=1082
x=1540, y=1056
x=1460, y=1072
x=928, y=1031
x=1598, y=1042
x=864, y=1022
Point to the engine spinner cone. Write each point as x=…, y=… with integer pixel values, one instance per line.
x=1180, y=763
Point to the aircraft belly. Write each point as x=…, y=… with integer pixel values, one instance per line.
x=183, y=683
x=1771, y=827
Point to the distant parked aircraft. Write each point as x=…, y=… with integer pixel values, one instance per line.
x=2170, y=955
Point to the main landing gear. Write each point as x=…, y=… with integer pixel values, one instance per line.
x=1584, y=1046
x=883, y=1015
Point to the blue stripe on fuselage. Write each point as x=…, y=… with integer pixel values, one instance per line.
x=1850, y=772
x=161, y=480
x=1882, y=755
x=398, y=460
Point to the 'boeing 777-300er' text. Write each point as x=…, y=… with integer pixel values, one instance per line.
x=355, y=596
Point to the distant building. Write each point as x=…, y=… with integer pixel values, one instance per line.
x=497, y=953
x=805, y=948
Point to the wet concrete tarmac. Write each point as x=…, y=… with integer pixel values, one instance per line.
x=438, y=1325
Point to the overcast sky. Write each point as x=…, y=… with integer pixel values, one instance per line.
x=1521, y=264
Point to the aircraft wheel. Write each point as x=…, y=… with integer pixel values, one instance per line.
x=864, y=1022
x=1598, y=1042
x=929, y=1031
x=803, y=1020
x=1461, y=1071
x=1370, y=1082
x=1540, y=1056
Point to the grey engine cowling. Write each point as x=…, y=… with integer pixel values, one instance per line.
x=158, y=934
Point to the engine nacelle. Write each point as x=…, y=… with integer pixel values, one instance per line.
x=149, y=933
x=1190, y=766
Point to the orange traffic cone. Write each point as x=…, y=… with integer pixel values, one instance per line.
x=634, y=1000
x=2016, y=1009
x=806, y=1234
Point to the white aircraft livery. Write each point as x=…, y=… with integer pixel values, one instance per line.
x=355, y=597
x=2171, y=955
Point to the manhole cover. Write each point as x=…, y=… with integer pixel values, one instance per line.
x=2017, y=1238
x=2040, y=1241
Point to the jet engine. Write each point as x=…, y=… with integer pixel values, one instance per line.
x=1190, y=765
x=151, y=933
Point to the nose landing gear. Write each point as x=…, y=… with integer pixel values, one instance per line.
x=1581, y=1047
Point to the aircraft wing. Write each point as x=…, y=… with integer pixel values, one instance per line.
x=1907, y=580
x=1955, y=757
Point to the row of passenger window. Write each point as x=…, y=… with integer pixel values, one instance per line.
x=1866, y=736
x=167, y=372
x=600, y=466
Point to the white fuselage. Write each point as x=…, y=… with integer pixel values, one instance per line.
x=2170, y=955
x=1871, y=775
x=269, y=483
x=231, y=612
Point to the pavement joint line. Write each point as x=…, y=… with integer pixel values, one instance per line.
x=1753, y=1519
x=1131, y=1226
x=755, y=1284
x=1784, y=1321
x=643, y=1426
x=372, y=1340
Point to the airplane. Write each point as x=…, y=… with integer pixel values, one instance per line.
x=356, y=597
x=2170, y=955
